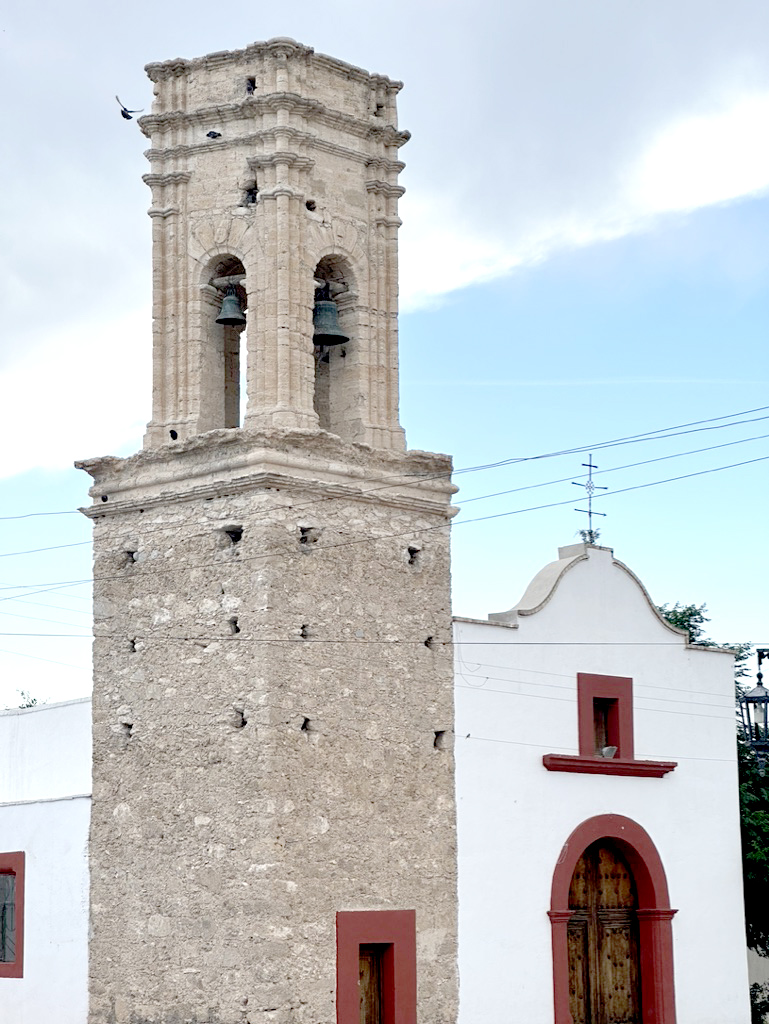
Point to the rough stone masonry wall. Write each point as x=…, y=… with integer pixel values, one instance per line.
x=272, y=730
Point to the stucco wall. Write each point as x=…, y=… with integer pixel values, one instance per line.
x=516, y=700
x=45, y=766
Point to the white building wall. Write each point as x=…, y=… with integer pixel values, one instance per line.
x=45, y=765
x=517, y=700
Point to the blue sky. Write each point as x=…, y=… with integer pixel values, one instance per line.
x=584, y=258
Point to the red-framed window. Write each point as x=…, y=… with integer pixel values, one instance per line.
x=376, y=967
x=11, y=915
x=605, y=732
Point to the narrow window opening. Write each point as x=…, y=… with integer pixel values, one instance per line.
x=414, y=554
x=605, y=726
x=224, y=306
x=234, y=627
x=333, y=324
x=7, y=918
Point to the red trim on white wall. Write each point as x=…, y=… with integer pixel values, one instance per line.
x=13, y=864
x=395, y=929
x=619, y=690
x=654, y=915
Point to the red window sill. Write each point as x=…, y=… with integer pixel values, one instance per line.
x=607, y=766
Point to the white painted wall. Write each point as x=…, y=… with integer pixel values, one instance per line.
x=516, y=700
x=45, y=767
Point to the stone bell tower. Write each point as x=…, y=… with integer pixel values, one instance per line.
x=272, y=169
x=273, y=830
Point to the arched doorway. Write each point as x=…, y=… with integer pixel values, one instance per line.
x=632, y=852
x=603, y=944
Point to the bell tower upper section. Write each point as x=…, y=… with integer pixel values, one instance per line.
x=274, y=183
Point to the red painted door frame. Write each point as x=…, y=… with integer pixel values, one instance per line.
x=654, y=915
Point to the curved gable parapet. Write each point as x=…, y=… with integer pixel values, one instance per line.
x=683, y=633
x=544, y=584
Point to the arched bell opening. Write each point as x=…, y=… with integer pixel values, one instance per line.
x=224, y=301
x=611, y=927
x=333, y=340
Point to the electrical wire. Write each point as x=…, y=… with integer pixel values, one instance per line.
x=288, y=552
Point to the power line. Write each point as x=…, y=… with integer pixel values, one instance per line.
x=615, y=469
x=418, y=531
x=652, y=435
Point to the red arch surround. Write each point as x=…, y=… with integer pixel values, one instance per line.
x=654, y=914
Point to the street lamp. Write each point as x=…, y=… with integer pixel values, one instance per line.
x=754, y=710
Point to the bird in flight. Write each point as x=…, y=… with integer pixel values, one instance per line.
x=125, y=112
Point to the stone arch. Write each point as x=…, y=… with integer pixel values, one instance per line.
x=654, y=914
x=335, y=277
x=222, y=354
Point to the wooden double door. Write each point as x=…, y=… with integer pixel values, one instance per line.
x=604, y=974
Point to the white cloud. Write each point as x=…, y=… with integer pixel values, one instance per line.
x=81, y=391
x=706, y=159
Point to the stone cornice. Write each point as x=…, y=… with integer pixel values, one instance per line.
x=283, y=156
x=271, y=481
x=384, y=188
x=280, y=46
x=379, y=165
x=174, y=178
x=224, y=462
x=254, y=106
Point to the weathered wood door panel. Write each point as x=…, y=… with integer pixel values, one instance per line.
x=604, y=981
x=370, y=979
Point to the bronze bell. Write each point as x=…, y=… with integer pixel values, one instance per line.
x=231, y=315
x=325, y=319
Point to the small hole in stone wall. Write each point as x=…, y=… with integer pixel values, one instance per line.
x=235, y=533
x=414, y=554
x=173, y=434
x=310, y=205
x=379, y=109
x=304, y=631
x=429, y=642
x=234, y=627
x=132, y=645
x=250, y=86
x=104, y=497
x=305, y=727
x=250, y=196
x=440, y=739
x=130, y=557
x=342, y=353
x=127, y=728
x=308, y=535
x=239, y=721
